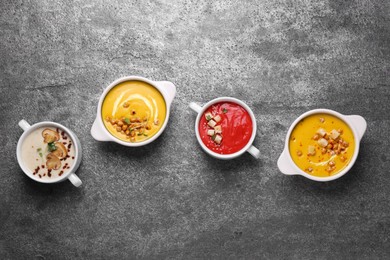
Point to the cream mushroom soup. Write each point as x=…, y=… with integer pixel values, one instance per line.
x=48, y=152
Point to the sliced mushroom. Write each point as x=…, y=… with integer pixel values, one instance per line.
x=53, y=162
x=50, y=136
x=61, y=151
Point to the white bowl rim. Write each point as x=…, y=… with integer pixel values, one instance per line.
x=344, y=119
x=238, y=102
x=112, y=85
x=73, y=137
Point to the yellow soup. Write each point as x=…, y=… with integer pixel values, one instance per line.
x=321, y=145
x=133, y=111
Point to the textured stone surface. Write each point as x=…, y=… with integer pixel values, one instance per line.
x=169, y=199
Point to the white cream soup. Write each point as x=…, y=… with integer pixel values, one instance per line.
x=48, y=152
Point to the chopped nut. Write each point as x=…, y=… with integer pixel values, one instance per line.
x=316, y=137
x=211, y=123
x=299, y=153
x=322, y=119
x=322, y=142
x=156, y=122
x=343, y=158
x=329, y=146
x=331, y=163
x=126, y=104
x=127, y=132
x=124, y=127
x=120, y=123
x=345, y=144
x=118, y=128
x=329, y=169
x=217, y=118
x=309, y=169
x=323, y=150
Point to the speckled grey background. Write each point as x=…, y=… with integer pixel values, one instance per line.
x=169, y=199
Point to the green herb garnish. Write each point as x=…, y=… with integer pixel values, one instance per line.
x=224, y=110
x=127, y=121
x=145, y=135
x=52, y=147
x=213, y=137
x=39, y=149
x=208, y=117
x=41, y=155
x=139, y=134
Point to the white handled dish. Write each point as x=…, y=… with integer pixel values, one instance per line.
x=356, y=123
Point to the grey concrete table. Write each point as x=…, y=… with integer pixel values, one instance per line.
x=169, y=199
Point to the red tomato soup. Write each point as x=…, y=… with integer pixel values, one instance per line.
x=225, y=127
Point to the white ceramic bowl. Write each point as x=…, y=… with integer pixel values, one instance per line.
x=356, y=123
x=247, y=148
x=69, y=175
x=100, y=133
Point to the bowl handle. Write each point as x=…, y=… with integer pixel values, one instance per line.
x=284, y=164
x=24, y=125
x=75, y=180
x=359, y=123
x=195, y=107
x=169, y=89
x=97, y=132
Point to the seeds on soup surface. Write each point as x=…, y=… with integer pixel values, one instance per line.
x=299, y=153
